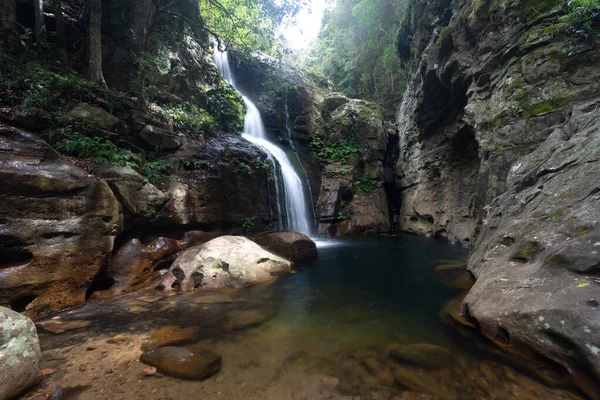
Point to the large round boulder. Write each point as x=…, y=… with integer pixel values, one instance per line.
x=20, y=354
x=224, y=262
x=288, y=244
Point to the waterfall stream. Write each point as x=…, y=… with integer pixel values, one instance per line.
x=296, y=216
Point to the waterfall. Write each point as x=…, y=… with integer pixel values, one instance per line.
x=289, y=134
x=296, y=214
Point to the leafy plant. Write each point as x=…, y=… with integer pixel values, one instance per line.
x=98, y=150
x=337, y=152
x=249, y=223
x=364, y=184
x=153, y=169
x=245, y=168
x=583, y=20
x=191, y=119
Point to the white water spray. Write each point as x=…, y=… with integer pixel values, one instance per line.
x=296, y=206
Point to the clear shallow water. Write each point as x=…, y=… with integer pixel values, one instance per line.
x=317, y=335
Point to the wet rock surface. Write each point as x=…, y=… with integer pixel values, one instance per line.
x=288, y=244
x=57, y=226
x=184, y=362
x=224, y=262
x=352, y=198
x=422, y=354
x=500, y=155
x=19, y=354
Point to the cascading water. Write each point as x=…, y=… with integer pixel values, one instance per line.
x=296, y=207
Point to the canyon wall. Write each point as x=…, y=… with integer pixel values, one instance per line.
x=499, y=148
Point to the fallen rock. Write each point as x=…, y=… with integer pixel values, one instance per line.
x=422, y=354
x=58, y=226
x=224, y=262
x=20, y=354
x=159, y=138
x=184, y=363
x=100, y=118
x=56, y=326
x=288, y=244
x=141, y=200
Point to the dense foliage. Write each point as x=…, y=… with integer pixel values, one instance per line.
x=355, y=49
x=248, y=25
x=583, y=20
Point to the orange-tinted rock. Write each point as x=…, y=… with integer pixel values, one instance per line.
x=184, y=363
x=171, y=335
x=455, y=276
x=58, y=226
x=57, y=327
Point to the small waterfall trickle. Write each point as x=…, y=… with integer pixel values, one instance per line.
x=291, y=142
x=296, y=214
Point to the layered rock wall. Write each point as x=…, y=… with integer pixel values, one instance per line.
x=498, y=148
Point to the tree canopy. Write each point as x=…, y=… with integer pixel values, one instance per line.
x=356, y=50
x=248, y=24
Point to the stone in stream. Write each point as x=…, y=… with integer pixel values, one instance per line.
x=224, y=262
x=184, y=362
x=171, y=335
x=69, y=392
x=218, y=298
x=57, y=327
x=422, y=354
x=241, y=319
x=288, y=244
x=421, y=381
x=20, y=354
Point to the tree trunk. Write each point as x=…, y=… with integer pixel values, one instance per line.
x=95, y=43
x=40, y=24
x=9, y=34
x=60, y=31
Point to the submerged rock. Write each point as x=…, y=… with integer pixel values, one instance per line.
x=288, y=244
x=227, y=261
x=422, y=381
x=454, y=276
x=57, y=326
x=57, y=226
x=184, y=363
x=422, y=354
x=20, y=354
x=241, y=319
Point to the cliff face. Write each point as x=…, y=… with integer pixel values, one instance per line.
x=499, y=148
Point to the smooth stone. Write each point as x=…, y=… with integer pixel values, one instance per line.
x=241, y=319
x=20, y=354
x=184, y=363
x=423, y=354
x=288, y=244
x=58, y=327
x=422, y=381
x=171, y=335
x=213, y=299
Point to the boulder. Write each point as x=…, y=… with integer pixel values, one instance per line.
x=20, y=354
x=141, y=200
x=224, y=262
x=100, y=118
x=217, y=193
x=160, y=138
x=57, y=226
x=137, y=265
x=172, y=335
x=183, y=362
x=288, y=244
